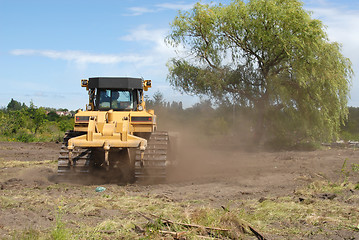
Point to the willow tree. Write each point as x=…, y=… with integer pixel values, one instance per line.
x=267, y=55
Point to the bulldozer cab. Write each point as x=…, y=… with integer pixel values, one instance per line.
x=118, y=100
x=118, y=94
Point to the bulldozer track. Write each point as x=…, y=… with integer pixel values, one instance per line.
x=81, y=157
x=153, y=167
x=155, y=160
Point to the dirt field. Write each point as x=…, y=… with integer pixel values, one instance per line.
x=323, y=194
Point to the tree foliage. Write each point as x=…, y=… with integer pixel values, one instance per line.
x=19, y=122
x=266, y=55
x=350, y=131
x=15, y=105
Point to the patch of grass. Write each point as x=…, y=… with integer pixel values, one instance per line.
x=15, y=163
x=60, y=232
x=8, y=202
x=324, y=187
x=344, y=171
x=29, y=234
x=355, y=167
x=109, y=225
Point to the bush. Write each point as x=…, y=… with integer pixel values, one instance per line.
x=29, y=124
x=66, y=124
x=344, y=135
x=283, y=143
x=24, y=135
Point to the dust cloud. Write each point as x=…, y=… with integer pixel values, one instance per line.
x=202, y=157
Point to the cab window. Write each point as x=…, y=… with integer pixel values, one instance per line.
x=116, y=100
x=104, y=99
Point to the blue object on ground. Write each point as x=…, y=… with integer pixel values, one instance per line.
x=100, y=189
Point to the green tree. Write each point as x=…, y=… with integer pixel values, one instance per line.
x=158, y=99
x=14, y=105
x=65, y=124
x=52, y=116
x=350, y=131
x=38, y=116
x=267, y=55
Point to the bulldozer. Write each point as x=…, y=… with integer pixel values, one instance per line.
x=116, y=136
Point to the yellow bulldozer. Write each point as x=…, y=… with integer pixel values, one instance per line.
x=116, y=136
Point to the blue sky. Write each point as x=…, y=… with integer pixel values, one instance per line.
x=46, y=47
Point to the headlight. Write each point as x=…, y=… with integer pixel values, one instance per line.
x=81, y=119
x=84, y=82
x=140, y=108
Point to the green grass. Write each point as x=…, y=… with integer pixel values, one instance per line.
x=60, y=231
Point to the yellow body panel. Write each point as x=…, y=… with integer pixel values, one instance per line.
x=100, y=116
x=113, y=129
x=101, y=141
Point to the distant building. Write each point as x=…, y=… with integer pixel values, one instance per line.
x=63, y=113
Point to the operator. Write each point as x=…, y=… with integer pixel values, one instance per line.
x=104, y=99
x=115, y=96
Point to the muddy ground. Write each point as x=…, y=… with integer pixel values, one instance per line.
x=218, y=176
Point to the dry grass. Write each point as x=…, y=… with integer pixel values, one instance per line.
x=81, y=213
x=78, y=212
x=16, y=163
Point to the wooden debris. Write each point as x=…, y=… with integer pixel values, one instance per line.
x=138, y=229
x=178, y=235
x=191, y=225
x=175, y=235
x=256, y=233
x=147, y=218
x=107, y=231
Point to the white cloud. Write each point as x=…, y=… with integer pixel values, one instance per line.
x=156, y=52
x=143, y=33
x=175, y=6
x=342, y=24
x=82, y=57
x=155, y=36
x=136, y=11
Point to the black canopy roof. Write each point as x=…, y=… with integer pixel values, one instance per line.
x=115, y=83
